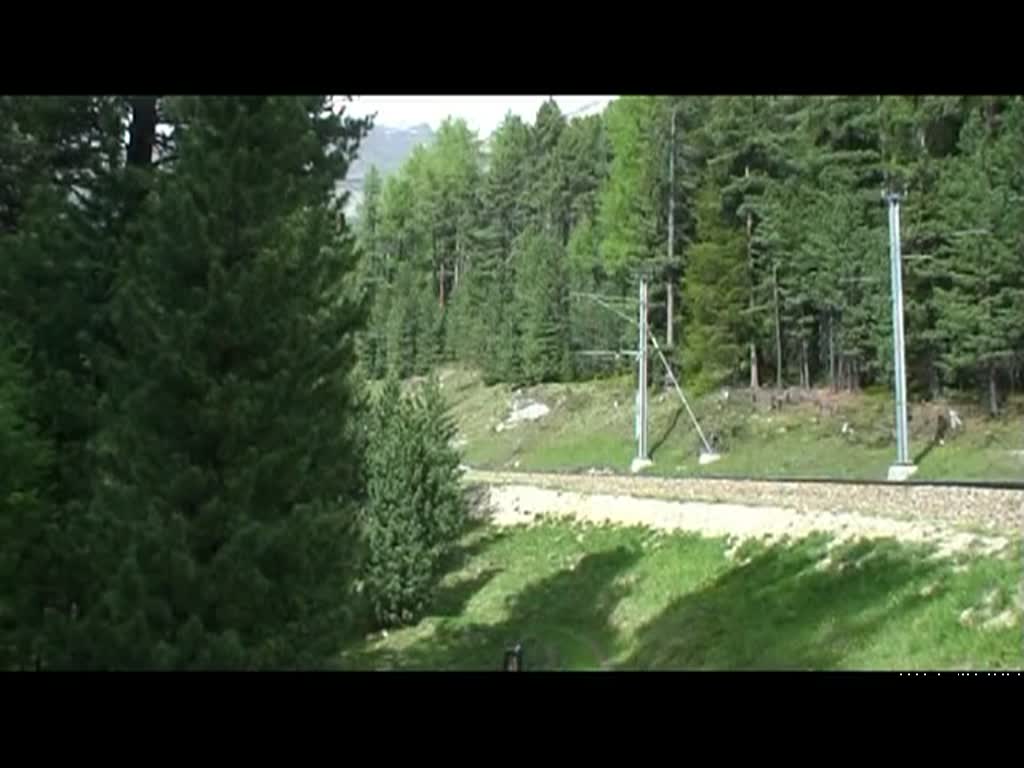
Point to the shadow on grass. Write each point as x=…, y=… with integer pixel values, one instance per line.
x=667, y=433
x=779, y=611
x=476, y=539
x=925, y=451
x=563, y=622
x=451, y=599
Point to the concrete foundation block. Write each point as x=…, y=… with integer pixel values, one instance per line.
x=900, y=472
x=640, y=465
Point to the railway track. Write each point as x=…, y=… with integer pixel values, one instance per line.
x=988, y=507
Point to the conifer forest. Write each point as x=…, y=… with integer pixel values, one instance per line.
x=204, y=440
x=760, y=217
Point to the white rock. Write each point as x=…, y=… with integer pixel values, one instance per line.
x=928, y=590
x=528, y=412
x=954, y=420
x=1004, y=620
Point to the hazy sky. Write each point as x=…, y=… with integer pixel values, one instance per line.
x=482, y=113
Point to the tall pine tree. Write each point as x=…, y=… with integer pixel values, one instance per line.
x=715, y=295
x=542, y=308
x=230, y=465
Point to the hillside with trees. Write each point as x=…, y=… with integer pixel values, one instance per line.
x=760, y=218
x=209, y=456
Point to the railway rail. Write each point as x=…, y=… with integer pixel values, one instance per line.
x=998, y=485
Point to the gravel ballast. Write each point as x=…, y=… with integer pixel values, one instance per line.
x=923, y=508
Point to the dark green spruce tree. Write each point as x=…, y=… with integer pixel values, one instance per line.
x=26, y=517
x=542, y=308
x=504, y=211
x=75, y=171
x=230, y=468
x=979, y=312
x=715, y=294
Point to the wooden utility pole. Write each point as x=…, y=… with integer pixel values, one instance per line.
x=669, y=290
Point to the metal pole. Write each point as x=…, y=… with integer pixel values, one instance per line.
x=641, y=452
x=669, y=288
x=640, y=413
x=899, y=355
x=679, y=391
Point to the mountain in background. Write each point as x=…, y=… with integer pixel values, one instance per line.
x=386, y=147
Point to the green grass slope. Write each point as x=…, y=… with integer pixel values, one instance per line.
x=820, y=434
x=589, y=598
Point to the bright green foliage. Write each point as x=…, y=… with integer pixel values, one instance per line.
x=585, y=155
x=491, y=276
x=373, y=276
x=425, y=219
x=629, y=203
x=416, y=509
x=461, y=323
x=548, y=193
x=454, y=175
x=400, y=330
x=427, y=329
x=413, y=329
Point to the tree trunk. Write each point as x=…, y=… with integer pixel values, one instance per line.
x=831, y=355
x=934, y=382
x=441, y=283
x=669, y=338
x=993, y=394
x=805, y=369
x=142, y=133
x=778, y=328
x=755, y=381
